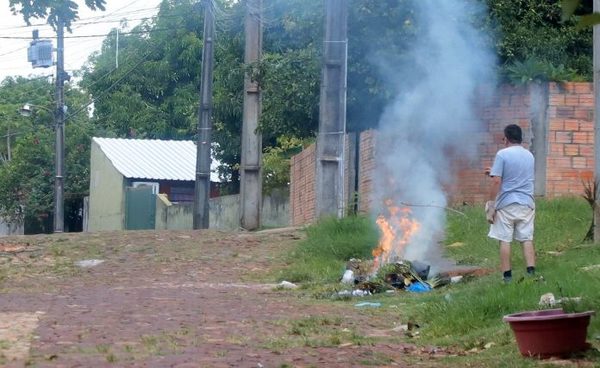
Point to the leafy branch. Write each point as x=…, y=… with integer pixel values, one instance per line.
x=590, y=194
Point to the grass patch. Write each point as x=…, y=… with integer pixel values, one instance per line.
x=321, y=257
x=468, y=316
x=315, y=331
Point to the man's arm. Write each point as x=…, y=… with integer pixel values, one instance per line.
x=490, y=206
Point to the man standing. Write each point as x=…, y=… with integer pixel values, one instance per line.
x=511, y=211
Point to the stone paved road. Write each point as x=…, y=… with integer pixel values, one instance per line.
x=180, y=299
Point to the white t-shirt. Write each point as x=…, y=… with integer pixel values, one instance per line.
x=516, y=166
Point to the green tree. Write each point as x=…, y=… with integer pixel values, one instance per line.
x=52, y=10
x=154, y=93
x=27, y=180
x=537, y=31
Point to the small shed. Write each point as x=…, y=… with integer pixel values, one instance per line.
x=129, y=178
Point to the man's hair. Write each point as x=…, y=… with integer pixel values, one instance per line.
x=513, y=133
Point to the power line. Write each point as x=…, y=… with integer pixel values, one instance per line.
x=145, y=58
x=96, y=35
x=77, y=22
x=13, y=51
x=102, y=94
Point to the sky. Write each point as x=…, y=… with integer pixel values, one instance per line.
x=13, y=52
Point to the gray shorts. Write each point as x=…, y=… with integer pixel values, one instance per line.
x=514, y=221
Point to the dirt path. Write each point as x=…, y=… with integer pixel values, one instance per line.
x=180, y=299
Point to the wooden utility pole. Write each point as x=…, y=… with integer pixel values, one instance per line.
x=597, y=122
x=59, y=117
x=203, y=158
x=332, y=115
x=251, y=175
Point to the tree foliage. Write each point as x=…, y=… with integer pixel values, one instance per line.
x=154, y=91
x=159, y=98
x=536, y=30
x=27, y=180
x=52, y=10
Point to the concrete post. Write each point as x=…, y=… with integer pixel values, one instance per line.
x=329, y=189
x=596, y=67
x=251, y=175
x=203, y=158
x=539, y=96
x=59, y=117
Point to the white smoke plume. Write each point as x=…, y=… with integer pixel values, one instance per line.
x=432, y=116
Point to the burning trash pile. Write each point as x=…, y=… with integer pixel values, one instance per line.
x=401, y=275
x=388, y=270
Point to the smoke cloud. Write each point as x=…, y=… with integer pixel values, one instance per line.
x=432, y=116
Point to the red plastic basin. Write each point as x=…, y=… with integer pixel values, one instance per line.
x=551, y=332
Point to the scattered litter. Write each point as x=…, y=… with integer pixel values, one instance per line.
x=368, y=304
x=575, y=299
x=412, y=333
x=488, y=345
x=547, y=300
x=348, y=293
x=456, y=245
x=370, y=277
x=421, y=269
x=361, y=269
x=348, y=277
x=418, y=287
x=554, y=253
x=287, y=285
x=591, y=268
x=401, y=328
x=344, y=293
x=86, y=263
x=412, y=325
x=360, y=293
x=448, y=297
x=455, y=279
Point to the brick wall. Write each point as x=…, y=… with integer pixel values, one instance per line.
x=567, y=153
x=302, y=186
x=570, y=138
x=366, y=169
x=470, y=185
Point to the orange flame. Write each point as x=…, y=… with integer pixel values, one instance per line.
x=396, y=232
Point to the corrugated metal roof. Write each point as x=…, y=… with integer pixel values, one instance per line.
x=151, y=158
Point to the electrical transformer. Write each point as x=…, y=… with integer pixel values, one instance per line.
x=40, y=52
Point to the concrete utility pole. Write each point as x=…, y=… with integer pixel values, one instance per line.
x=251, y=175
x=203, y=159
x=597, y=122
x=332, y=116
x=59, y=116
x=8, y=153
